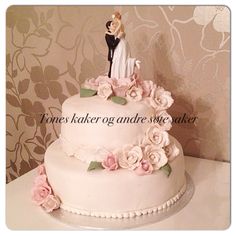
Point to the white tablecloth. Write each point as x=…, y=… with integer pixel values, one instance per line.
x=209, y=207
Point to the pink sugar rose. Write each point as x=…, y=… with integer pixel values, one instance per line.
x=40, y=180
x=144, y=168
x=41, y=170
x=125, y=82
x=147, y=86
x=51, y=203
x=91, y=84
x=121, y=86
x=110, y=163
x=120, y=90
x=40, y=192
x=103, y=79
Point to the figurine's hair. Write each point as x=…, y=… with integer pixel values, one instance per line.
x=117, y=15
x=108, y=24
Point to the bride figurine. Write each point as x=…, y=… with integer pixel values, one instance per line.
x=123, y=65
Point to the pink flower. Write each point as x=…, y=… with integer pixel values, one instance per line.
x=103, y=79
x=125, y=82
x=110, y=163
x=40, y=192
x=40, y=180
x=144, y=168
x=147, y=86
x=41, y=170
x=120, y=90
x=121, y=86
x=91, y=84
x=51, y=203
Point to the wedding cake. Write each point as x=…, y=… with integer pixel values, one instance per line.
x=114, y=157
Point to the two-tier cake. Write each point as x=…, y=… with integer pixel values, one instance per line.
x=114, y=157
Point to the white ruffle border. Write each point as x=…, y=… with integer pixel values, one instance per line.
x=128, y=214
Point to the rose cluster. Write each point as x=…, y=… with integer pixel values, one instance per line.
x=154, y=152
x=42, y=193
x=132, y=88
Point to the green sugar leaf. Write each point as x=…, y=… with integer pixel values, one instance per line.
x=167, y=169
x=119, y=100
x=94, y=165
x=87, y=92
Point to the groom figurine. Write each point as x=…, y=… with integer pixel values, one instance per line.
x=112, y=42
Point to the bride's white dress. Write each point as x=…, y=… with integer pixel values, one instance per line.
x=122, y=64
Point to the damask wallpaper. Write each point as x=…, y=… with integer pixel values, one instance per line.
x=51, y=50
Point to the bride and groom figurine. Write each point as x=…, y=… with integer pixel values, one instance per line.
x=119, y=56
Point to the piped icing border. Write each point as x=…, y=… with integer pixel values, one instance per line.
x=128, y=214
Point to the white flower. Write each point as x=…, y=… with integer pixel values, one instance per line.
x=220, y=15
x=171, y=151
x=160, y=99
x=134, y=94
x=131, y=157
x=155, y=155
x=104, y=90
x=154, y=135
x=164, y=120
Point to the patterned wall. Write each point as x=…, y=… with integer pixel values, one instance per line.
x=52, y=50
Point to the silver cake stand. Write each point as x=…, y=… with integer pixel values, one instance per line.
x=87, y=222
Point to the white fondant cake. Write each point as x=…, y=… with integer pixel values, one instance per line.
x=87, y=140
x=103, y=193
x=111, y=194
x=114, y=157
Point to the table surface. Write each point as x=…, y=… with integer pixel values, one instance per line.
x=209, y=207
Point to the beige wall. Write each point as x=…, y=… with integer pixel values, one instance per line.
x=51, y=50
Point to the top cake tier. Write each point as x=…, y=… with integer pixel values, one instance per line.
x=93, y=127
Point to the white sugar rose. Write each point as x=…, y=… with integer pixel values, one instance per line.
x=164, y=120
x=154, y=135
x=104, y=90
x=155, y=155
x=131, y=157
x=134, y=94
x=160, y=99
x=172, y=151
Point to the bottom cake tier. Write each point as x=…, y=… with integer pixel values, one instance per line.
x=116, y=194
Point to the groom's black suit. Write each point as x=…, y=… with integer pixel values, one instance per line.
x=112, y=42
